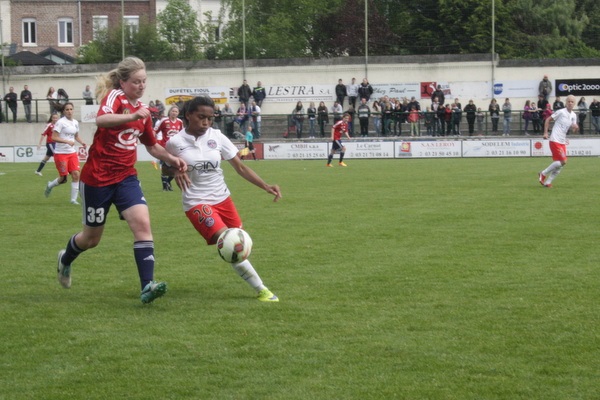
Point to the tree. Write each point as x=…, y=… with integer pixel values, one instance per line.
x=179, y=25
x=145, y=43
x=281, y=29
x=342, y=32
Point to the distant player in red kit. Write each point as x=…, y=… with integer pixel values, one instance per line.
x=165, y=129
x=339, y=128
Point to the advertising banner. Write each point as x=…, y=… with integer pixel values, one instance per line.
x=6, y=154
x=577, y=87
x=428, y=149
x=515, y=89
x=369, y=149
x=30, y=154
x=219, y=94
x=399, y=90
x=575, y=148
x=295, y=151
x=496, y=148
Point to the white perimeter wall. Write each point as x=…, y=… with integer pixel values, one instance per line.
x=465, y=79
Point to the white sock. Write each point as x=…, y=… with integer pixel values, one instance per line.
x=247, y=272
x=552, y=175
x=552, y=167
x=54, y=183
x=74, y=190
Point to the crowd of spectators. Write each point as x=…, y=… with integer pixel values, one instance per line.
x=383, y=116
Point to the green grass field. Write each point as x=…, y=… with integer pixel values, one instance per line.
x=398, y=279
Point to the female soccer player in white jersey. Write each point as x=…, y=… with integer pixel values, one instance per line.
x=206, y=200
x=109, y=177
x=564, y=119
x=65, y=134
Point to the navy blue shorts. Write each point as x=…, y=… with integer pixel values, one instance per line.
x=337, y=145
x=97, y=200
x=50, y=149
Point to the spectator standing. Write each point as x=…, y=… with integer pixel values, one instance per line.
x=218, y=118
x=441, y=117
x=322, y=117
x=365, y=90
x=429, y=117
x=435, y=104
x=160, y=106
x=413, y=119
x=527, y=116
x=582, y=107
x=448, y=118
x=256, y=119
x=259, y=94
x=547, y=113
x=564, y=120
x=352, y=90
x=47, y=134
x=494, y=110
x=311, y=112
x=364, y=112
x=337, y=111
x=471, y=112
x=595, y=110
x=507, y=113
x=439, y=93
x=11, y=101
x=26, y=100
x=414, y=102
x=558, y=104
x=241, y=117
x=545, y=88
x=535, y=117
x=244, y=92
x=542, y=105
x=352, y=113
x=340, y=93
x=52, y=97
x=179, y=103
x=88, y=96
x=387, y=117
x=456, y=118
x=228, y=119
x=62, y=98
x=480, y=118
x=298, y=118
x=376, y=112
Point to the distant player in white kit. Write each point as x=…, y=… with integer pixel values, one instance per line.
x=564, y=119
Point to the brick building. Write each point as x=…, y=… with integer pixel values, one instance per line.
x=64, y=25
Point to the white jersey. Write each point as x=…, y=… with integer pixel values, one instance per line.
x=563, y=119
x=203, y=156
x=67, y=129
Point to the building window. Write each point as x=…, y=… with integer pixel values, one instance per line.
x=65, y=32
x=132, y=24
x=100, y=25
x=29, y=32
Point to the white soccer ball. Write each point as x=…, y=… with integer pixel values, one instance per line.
x=234, y=245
